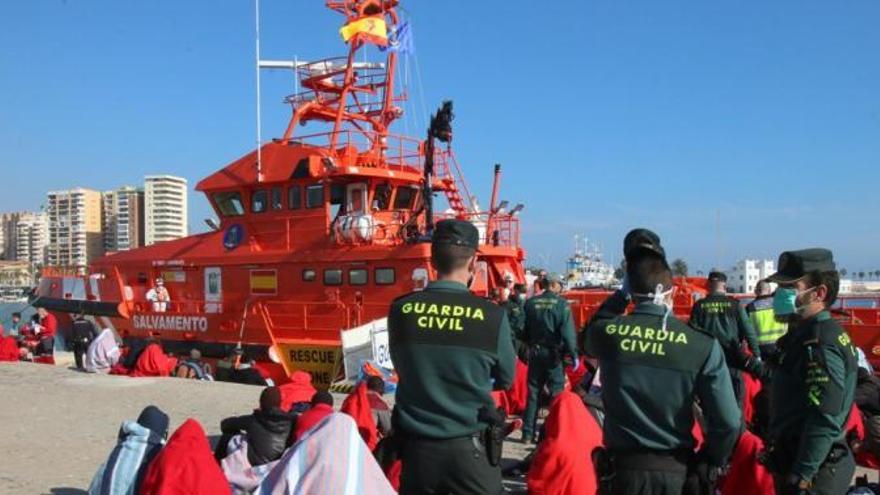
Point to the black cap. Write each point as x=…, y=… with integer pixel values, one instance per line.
x=153, y=419
x=715, y=276
x=795, y=265
x=642, y=240
x=456, y=233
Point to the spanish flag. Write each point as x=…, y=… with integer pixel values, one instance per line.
x=370, y=29
x=264, y=282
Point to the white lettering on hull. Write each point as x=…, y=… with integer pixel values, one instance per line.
x=171, y=322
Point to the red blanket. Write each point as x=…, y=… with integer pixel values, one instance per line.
x=185, y=466
x=752, y=387
x=310, y=418
x=298, y=389
x=519, y=391
x=8, y=349
x=563, y=464
x=154, y=362
x=746, y=474
x=357, y=405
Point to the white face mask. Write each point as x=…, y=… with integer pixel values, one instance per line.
x=661, y=298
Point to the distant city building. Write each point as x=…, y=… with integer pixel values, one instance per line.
x=74, y=227
x=122, y=219
x=747, y=273
x=15, y=274
x=7, y=234
x=165, y=204
x=32, y=238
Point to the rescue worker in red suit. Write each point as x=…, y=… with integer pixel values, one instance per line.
x=46, y=333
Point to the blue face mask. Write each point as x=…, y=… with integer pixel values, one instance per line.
x=785, y=301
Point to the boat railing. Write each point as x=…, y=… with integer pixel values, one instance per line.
x=402, y=153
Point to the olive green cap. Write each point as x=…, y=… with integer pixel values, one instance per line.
x=795, y=265
x=456, y=233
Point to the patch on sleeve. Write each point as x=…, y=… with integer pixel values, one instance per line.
x=823, y=392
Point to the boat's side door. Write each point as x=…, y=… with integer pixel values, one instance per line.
x=213, y=290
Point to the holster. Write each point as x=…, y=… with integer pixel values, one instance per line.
x=603, y=463
x=493, y=436
x=701, y=478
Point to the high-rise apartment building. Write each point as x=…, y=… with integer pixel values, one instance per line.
x=32, y=238
x=74, y=227
x=123, y=218
x=165, y=205
x=7, y=234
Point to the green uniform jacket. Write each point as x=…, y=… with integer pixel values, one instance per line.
x=651, y=377
x=516, y=316
x=447, y=346
x=724, y=317
x=548, y=323
x=811, y=392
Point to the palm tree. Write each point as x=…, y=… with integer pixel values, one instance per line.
x=679, y=267
x=876, y=273
x=861, y=275
x=843, y=272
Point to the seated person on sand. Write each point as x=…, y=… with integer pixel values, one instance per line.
x=154, y=362
x=322, y=406
x=238, y=367
x=185, y=466
x=138, y=443
x=381, y=409
x=266, y=430
x=331, y=458
x=103, y=353
x=194, y=368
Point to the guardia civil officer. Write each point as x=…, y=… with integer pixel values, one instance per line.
x=813, y=380
x=549, y=333
x=450, y=348
x=653, y=367
x=724, y=317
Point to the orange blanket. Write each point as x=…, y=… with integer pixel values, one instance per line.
x=186, y=466
x=563, y=464
x=154, y=362
x=357, y=405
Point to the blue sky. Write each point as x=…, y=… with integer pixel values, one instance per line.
x=605, y=115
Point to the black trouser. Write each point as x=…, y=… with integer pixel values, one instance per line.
x=457, y=465
x=649, y=474
x=80, y=346
x=834, y=476
x=739, y=386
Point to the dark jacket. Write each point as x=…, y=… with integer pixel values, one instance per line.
x=267, y=433
x=83, y=330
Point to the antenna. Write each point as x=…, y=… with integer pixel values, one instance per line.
x=257, y=69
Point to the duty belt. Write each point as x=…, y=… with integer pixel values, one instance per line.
x=672, y=461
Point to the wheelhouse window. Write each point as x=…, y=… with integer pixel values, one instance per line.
x=315, y=196
x=277, y=203
x=405, y=198
x=229, y=203
x=357, y=276
x=294, y=197
x=309, y=275
x=382, y=197
x=332, y=277
x=258, y=201
x=384, y=276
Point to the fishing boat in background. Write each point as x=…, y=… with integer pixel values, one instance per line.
x=585, y=269
x=318, y=231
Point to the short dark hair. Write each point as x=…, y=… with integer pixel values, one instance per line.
x=270, y=398
x=544, y=283
x=447, y=258
x=647, y=272
x=16, y=315
x=830, y=279
x=521, y=288
x=376, y=384
x=322, y=397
